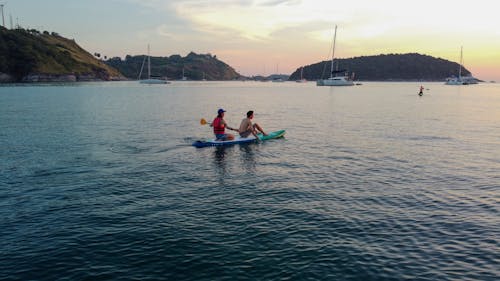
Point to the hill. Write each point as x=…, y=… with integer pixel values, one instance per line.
x=195, y=66
x=33, y=56
x=390, y=67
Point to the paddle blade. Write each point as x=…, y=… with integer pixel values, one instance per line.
x=203, y=121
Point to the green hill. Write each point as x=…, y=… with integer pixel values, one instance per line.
x=195, y=66
x=32, y=56
x=391, y=67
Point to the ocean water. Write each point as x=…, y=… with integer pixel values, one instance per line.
x=99, y=181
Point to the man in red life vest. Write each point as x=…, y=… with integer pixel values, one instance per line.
x=220, y=125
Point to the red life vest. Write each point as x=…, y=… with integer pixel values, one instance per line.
x=219, y=128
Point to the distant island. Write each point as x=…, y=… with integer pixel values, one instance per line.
x=34, y=56
x=390, y=67
x=192, y=67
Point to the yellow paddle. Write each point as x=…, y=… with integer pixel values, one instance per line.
x=203, y=121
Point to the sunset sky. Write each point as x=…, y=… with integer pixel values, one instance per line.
x=269, y=36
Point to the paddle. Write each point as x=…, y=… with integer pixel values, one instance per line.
x=204, y=122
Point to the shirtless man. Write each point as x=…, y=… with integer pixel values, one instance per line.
x=247, y=128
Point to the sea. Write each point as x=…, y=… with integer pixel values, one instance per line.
x=100, y=181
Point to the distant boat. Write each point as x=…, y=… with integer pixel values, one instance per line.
x=278, y=78
x=301, y=80
x=461, y=80
x=150, y=80
x=335, y=79
x=457, y=80
x=183, y=78
x=469, y=79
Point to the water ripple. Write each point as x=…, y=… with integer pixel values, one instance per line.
x=366, y=190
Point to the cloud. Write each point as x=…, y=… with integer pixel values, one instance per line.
x=365, y=27
x=278, y=2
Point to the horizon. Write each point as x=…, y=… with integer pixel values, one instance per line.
x=271, y=37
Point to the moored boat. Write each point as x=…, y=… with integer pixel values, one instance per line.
x=150, y=79
x=335, y=78
x=460, y=80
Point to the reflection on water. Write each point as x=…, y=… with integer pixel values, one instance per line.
x=248, y=157
x=371, y=183
x=235, y=160
x=220, y=163
x=219, y=154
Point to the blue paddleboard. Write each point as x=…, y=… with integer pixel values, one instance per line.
x=239, y=140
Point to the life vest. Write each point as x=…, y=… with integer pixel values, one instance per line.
x=219, y=128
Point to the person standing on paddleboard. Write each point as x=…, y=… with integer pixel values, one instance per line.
x=220, y=125
x=247, y=128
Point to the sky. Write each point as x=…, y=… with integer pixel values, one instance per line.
x=273, y=36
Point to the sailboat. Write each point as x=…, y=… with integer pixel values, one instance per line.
x=278, y=77
x=183, y=78
x=461, y=80
x=301, y=80
x=457, y=80
x=150, y=80
x=335, y=80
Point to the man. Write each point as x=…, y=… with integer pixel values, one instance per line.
x=220, y=125
x=247, y=128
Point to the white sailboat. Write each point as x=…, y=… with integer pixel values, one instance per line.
x=150, y=80
x=278, y=77
x=183, y=78
x=457, y=80
x=461, y=80
x=335, y=80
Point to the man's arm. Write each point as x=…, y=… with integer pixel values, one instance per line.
x=227, y=126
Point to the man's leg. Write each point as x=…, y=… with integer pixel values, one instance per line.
x=256, y=126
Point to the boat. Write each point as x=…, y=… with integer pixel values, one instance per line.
x=457, y=80
x=335, y=79
x=239, y=140
x=183, y=78
x=277, y=77
x=150, y=79
x=469, y=79
x=301, y=80
x=460, y=80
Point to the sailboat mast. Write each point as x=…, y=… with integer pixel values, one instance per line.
x=333, y=51
x=149, y=64
x=461, y=57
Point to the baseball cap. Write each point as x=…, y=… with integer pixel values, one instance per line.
x=220, y=111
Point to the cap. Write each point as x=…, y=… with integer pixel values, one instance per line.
x=220, y=111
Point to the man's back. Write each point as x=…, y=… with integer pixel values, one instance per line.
x=246, y=124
